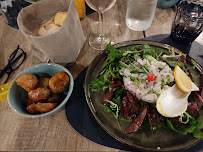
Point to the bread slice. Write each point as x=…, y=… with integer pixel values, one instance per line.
x=52, y=29
x=42, y=28
x=60, y=17
x=51, y=26
x=47, y=27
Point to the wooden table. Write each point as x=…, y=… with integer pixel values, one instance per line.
x=54, y=133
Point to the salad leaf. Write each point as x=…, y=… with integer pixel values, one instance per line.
x=192, y=67
x=105, y=108
x=130, y=50
x=155, y=52
x=126, y=120
x=150, y=58
x=183, y=128
x=113, y=55
x=197, y=133
x=114, y=70
x=173, y=55
x=100, y=83
x=174, y=63
x=118, y=91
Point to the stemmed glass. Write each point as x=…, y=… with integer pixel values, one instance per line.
x=99, y=41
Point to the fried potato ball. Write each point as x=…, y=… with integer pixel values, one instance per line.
x=59, y=82
x=43, y=82
x=40, y=107
x=54, y=98
x=39, y=94
x=28, y=101
x=27, y=81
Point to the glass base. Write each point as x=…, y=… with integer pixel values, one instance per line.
x=99, y=41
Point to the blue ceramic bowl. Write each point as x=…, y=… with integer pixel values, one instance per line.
x=17, y=95
x=166, y=3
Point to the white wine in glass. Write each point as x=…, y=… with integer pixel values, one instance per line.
x=99, y=41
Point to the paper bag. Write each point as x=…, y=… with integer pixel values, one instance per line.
x=62, y=46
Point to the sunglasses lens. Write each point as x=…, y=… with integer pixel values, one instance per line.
x=3, y=77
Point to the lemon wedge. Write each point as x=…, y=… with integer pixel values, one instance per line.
x=183, y=81
x=4, y=91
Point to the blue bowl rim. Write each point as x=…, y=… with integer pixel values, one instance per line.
x=61, y=105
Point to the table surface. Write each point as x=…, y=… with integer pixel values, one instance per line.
x=55, y=133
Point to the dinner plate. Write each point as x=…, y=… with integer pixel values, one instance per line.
x=159, y=140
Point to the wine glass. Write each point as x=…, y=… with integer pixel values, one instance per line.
x=99, y=41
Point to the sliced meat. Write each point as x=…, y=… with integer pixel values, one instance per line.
x=137, y=122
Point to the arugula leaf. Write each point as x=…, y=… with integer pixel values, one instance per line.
x=137, y=81
x=113, y=55
x=126, y=120
x=183, y=128
x=114, y=71
x=105, y=108
x=192, y=67
x=173, y=55
x=136, y=56
x=101, y=82
x=118, y=92
x=155, y=52
x=150, y=58
x=174, y=63
x=130, y=50
x=197, y=133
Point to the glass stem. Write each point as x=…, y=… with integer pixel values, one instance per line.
x=101, y=34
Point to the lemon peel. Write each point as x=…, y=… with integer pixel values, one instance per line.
x=4, y=90
x=183, y=81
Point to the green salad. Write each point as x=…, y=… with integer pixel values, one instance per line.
x=133, y=80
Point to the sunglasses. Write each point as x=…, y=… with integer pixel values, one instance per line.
x=14, y=61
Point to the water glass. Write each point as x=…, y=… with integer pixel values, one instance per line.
x=188, y=22
x=140, y=14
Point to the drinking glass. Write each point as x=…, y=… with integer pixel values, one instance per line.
x=188, y=22
x=99, y=41
x=140, y=13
